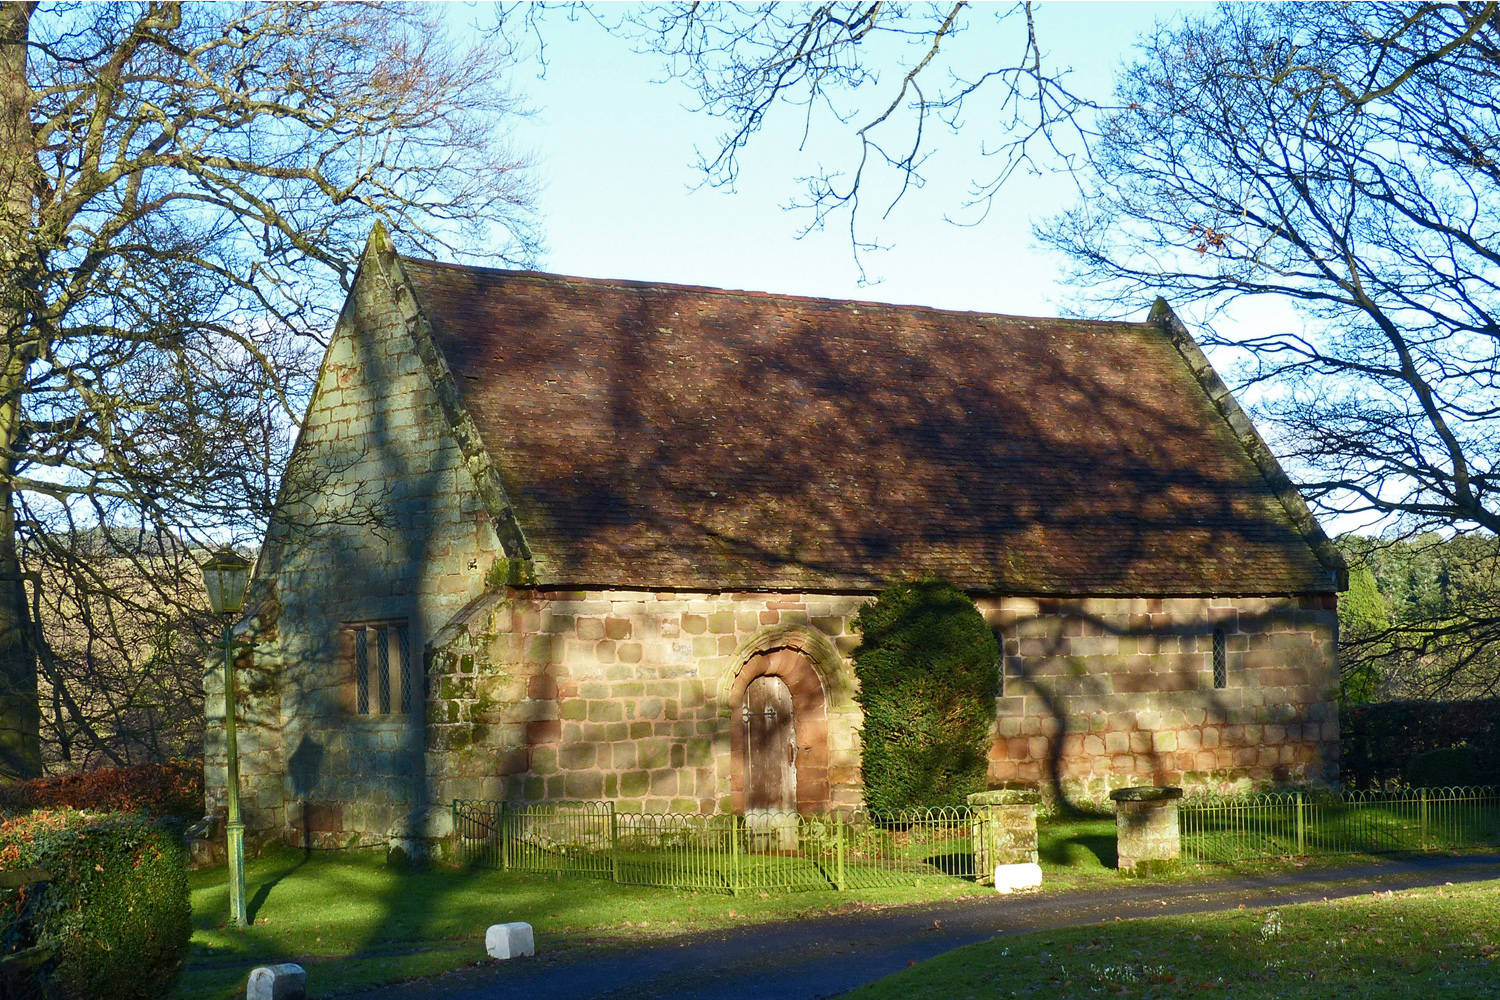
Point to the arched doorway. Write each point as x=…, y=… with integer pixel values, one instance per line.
x=779, y=734
x=770, y=746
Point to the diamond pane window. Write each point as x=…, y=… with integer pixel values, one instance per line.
x=382, y=678
x=408, y=682
x=361, y=672
x=1221, y=660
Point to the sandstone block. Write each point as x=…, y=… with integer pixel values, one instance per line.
x=1009, y=878
x=507, y=941
x=654, y=753
x=575, y=756
x=1146, y=828
x=583, y=785
x=606, y=711
x=277, y=982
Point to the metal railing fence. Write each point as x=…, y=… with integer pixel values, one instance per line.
x=1348, y=822
x=721, y=853
x=860, y=850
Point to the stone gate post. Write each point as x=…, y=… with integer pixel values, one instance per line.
x=1146, y=831
x=1004, y=837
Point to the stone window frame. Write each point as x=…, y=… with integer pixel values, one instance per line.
x=378, y=675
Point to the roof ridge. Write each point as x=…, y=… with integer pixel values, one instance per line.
x=906, y=307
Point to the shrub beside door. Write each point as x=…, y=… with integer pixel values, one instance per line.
x=928, y=669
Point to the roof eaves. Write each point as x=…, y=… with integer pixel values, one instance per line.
x=1249, y=438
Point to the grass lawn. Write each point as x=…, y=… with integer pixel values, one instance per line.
x=355, y=923
x=1419, y=943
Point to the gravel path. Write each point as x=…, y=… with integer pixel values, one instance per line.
x=808, y=959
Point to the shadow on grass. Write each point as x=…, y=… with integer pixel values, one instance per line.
x=1081, y=840
x=957, y=865
x=347, y=916
x=1065, y=852
x=264, y=891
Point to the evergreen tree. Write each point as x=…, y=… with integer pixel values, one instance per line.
x=928, y=668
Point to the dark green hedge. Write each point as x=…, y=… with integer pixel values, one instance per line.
x=117, y=903
x=1382, y=742
x=928, y=673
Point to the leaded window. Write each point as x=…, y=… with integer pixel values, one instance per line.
x=384, y=681
x=1221, y=660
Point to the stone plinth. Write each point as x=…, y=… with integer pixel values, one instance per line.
x=1004, y=828
x=1146, y=829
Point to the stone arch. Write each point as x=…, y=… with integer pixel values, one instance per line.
x=811, y=667
x=824, y=657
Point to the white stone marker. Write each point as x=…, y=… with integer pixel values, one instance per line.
x=505, y=941
x=277, y=982
x=1023, y=876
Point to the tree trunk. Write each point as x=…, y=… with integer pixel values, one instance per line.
x=20, y=716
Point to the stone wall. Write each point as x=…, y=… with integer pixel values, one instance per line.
x=1106, y=692
x=628, y=695
x=378, y=521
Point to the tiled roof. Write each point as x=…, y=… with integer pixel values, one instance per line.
x=663, y=436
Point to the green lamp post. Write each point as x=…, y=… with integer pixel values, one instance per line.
x=224, y=578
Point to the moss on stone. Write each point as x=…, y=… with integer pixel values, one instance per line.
x=510, y=572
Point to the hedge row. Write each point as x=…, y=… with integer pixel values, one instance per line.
x=171, y=789
x=1398, y=741
x=116, y=905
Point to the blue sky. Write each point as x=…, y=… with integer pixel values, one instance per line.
x=615, y=155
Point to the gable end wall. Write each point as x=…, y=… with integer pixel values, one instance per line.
x=394, y=530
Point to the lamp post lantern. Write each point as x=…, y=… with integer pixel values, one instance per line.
x=224, y=577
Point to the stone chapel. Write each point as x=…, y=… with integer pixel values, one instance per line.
x=546, y=538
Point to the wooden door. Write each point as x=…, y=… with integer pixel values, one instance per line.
x=770, y=746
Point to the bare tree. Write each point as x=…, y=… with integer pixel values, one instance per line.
x=183, y=191
x=885, y=74
x=1342, y=158
x=122, y=645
